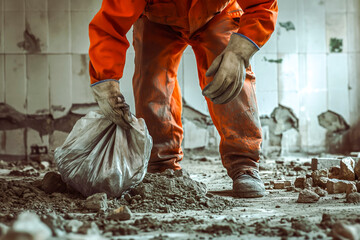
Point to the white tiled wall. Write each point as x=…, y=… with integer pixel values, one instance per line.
x=310, y=79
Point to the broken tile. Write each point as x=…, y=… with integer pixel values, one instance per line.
x=15, y=85
x=347, y=169
x=59, y=31
x=37, y=85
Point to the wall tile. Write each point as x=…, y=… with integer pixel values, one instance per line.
x=59, y=31
x=15, y=82
x=288, y=72
x=34, y=138
x=314, y=24
x=354, y=87
x=336, y=28
x=37, y=85
x=353, y=33
x=287, y=37
x=79, y=31
x=81, y=91
x=14, y=5
x=14, y=27
x=337, y=67
x=315, y=72
x=192, y=90
x=37, y=24
x=15, y=142
x=89, y=5
x=125, y=81
x=267, y=101
x=2, y=78
x=36, y=5
x=266, y=72
x=335, y=6
x=1, y=30
x=60, y=84
x=56, y=5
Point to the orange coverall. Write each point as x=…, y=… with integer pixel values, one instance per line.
x=162, y=31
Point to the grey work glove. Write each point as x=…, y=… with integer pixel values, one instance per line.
x=229, y=70
x=112, y=103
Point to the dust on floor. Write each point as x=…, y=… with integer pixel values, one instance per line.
x=191, y=204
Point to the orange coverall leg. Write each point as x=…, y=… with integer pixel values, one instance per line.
x=158, y=49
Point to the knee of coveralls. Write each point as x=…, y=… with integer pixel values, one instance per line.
x=157, y=93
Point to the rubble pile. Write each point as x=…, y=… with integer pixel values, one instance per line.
x=173, y=191
x=342, y=178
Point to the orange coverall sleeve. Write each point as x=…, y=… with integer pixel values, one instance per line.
x=108, y=43
x=259, y=20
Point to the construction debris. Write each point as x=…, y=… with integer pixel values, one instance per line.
x=97, y=202
x=308, y=196
x=122, y=213
x=347, y=169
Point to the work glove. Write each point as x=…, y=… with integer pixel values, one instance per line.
x=229, y=70
x=112, y=103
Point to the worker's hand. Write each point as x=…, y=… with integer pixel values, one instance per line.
x=112, y=103
x=229, y=70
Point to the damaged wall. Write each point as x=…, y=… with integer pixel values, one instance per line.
x=310, y=66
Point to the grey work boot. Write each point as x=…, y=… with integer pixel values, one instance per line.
x=249, y=185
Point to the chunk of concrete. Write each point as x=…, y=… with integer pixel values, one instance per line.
x=347, y=169
x=308, y=196
x=334, y=172
x=337, y=186
x=320, y=177
x=279, y=185
x=300, y=182
x=97, y=202
x=122, y=213
x=321, y=192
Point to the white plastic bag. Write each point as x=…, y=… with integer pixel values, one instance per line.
x=99, y=156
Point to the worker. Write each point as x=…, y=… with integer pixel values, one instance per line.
x=224, y=35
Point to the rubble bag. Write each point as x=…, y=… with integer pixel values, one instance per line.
x=100, y=156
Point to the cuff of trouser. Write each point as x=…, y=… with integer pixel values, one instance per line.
x=237, y=170
x=158, y=168
x=105, y=80
x=249, y=40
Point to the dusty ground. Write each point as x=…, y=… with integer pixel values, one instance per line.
x=214, y=214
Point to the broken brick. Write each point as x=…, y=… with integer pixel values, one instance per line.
x=337, y=186
x=320, y=177
x=300, y=182
x=279, y=185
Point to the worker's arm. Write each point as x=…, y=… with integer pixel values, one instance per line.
x=108, y=43
x=259, y=19
x=228, y=69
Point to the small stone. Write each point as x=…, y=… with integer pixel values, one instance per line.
x=73, y=226
x=300, y=182
x=97, y=202
x=337, y=186
x=28, y=226
x=353, y=198
x=122, y=213
x=279, y=185
x=44, y=165
x=334, y=172
x=357, y=170
x=321, y=192
x=350, y=188
x=308, y=196
x=347, y=169
x=309, y=182
x=344, y=231
x=127, y=197
x=52, y=182
x=320, y=177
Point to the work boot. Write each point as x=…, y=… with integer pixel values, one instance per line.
x=248, y=185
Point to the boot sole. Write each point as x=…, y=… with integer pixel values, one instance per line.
x=249, y=194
